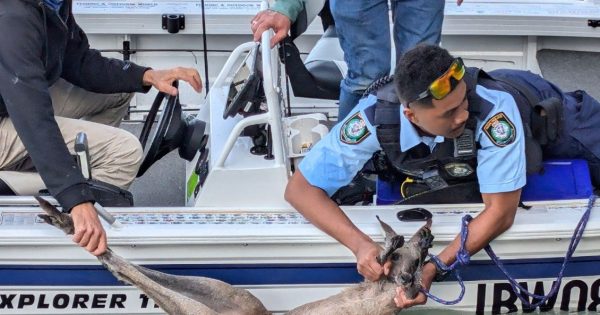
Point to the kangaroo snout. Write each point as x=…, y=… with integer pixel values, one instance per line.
x=406, y=278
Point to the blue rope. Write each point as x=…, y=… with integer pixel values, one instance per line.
x=463, y=258
x=556, y=285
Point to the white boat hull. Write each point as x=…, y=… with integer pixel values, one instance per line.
x=282, y=259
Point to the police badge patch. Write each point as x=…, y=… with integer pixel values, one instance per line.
x=500, y=130
x=354, y=130
x=459, y=169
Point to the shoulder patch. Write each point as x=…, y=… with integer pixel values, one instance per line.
x=354, y=130
x=500, y=130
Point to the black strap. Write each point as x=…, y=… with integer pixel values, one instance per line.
x=388, y=114
x=552, y=120
x=523, y=206
x=546, y=128
x=515, y=84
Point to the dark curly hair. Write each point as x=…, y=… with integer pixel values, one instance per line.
x=417, y=69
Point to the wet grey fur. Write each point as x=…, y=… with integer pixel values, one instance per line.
x=183, y=295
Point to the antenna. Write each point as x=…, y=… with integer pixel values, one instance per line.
x=204, y=49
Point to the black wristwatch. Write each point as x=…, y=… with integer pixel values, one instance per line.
x=440, y=274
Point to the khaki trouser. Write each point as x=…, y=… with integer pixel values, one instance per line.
x=115, y=154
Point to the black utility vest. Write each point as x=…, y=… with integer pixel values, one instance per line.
x=455, y=160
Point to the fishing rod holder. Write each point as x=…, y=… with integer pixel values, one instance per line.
x=173, y=22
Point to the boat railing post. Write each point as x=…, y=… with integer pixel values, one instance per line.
x=273, y=115
x=235, y=56
x=272, y=93
x=235, y=133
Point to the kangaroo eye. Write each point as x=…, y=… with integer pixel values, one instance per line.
x=395, y=256
x=417, y=263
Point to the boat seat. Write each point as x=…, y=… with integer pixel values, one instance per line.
x=319, y=76
x=30, y=184
x=20, y=183
x=326, y=61
x=324, y=69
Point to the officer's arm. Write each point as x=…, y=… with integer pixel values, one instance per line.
x=315, y=205
x=497, y=217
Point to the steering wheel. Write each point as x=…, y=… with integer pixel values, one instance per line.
x=174, y=130
x=152, y=151
x=243, y=90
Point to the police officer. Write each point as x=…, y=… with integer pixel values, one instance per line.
x=41, y=43
x=455, y=125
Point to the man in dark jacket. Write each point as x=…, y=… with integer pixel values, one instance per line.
x=41, y=43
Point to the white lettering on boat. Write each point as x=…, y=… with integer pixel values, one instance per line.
x=573, y=295
x=73, y=301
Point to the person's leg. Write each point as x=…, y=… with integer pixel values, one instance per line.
x=115, y=154
x=364, y=32
x=416, y=21
x=12, y=150
x=74, y=102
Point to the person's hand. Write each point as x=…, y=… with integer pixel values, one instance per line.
x=426, y=279
x=459, y=2
x=162, y=80
x=366, y=261
x=89, y=233
x=267, y=19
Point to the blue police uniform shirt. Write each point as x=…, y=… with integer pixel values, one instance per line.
x=500, y=168
x=332, y=163
x=501, y=164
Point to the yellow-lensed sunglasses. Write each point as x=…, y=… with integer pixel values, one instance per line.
x=445, y=83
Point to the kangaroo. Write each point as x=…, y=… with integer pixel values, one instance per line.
x=183, y=295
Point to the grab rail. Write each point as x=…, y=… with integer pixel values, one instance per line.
x=271, y=89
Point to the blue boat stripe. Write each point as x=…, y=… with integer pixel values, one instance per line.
x=278, y=274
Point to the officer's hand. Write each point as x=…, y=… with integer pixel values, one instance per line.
x=267, y=19
x=459, y=2
x=89, y=233
x=366, y=261
x=426, y=278
x=162, y=80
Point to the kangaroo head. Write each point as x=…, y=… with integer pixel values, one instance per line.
x=407, y=257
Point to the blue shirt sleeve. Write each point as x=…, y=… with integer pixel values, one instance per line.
x=501, y=161
x=341, y=154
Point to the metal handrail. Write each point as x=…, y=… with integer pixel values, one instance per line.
x=271, y=89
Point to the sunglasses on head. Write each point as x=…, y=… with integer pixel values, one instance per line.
x=445, y=83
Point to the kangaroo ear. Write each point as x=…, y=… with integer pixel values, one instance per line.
x=389, y=232
x=393, y=241
x=55, y=218
x=48, y=207
x=424, y=239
